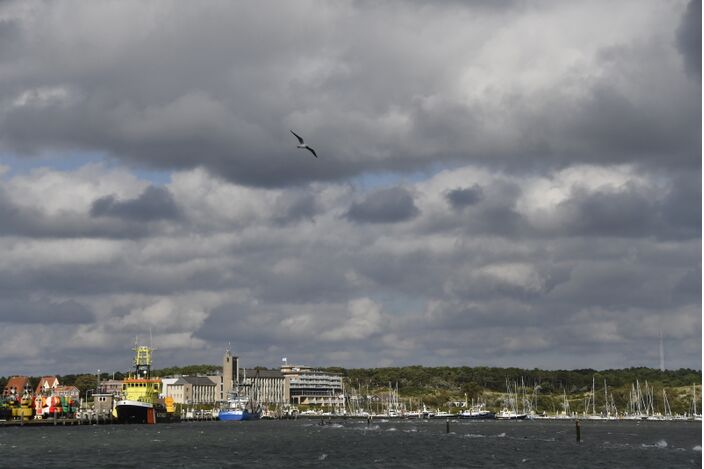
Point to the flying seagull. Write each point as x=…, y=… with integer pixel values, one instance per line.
x=301, y=144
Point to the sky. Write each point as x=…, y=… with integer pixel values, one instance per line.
x=499, y=183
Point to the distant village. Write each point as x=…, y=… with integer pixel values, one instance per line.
x=276, y=390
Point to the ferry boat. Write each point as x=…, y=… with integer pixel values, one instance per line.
x=240, y=408
x=140, y=401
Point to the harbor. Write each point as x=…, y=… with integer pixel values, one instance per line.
x=295, y=392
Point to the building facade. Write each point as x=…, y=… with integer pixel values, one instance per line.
x=110, y=386
x=308, y=386
x=165, y=386
x=268, y=387
x=192, y=390
x=67, y=391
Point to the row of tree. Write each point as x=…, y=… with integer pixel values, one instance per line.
x=436, y=386
x=419, y=379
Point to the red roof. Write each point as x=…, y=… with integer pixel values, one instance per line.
x=16, y=384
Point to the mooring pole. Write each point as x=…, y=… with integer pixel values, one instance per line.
x=579, y=431
x=447, y=426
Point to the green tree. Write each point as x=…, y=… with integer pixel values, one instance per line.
x=85, y=382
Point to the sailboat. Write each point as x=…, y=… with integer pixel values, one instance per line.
x=695, y=415
x=512, y=413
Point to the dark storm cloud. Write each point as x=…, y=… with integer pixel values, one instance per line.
x=689, y=38
x=155, y=203
x=294, y=206
x=682, y=206
x=209, y=101
x=634, y=212
x=460, y=198
x=611, y=127
x=688, y=288
x=549, y=212
x=497, y=213
x=32, y=222
x=43, y=311
x=384, y=206
x=625, y=213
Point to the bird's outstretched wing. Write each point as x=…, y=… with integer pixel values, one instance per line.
x=311, y=150
x=300, y=140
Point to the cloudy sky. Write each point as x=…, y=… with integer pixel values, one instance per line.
x=500, y=183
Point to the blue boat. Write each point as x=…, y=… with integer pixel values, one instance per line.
x=239, y=408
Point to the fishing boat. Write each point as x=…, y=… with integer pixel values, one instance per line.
x=238, y=408
x=140, y=401
x=477, y=412
x=506, y=414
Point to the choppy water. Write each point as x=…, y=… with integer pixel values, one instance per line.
x=306, y=443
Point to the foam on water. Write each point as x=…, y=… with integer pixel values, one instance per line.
x=657, y=444
x=697, y=448
x=474, y=435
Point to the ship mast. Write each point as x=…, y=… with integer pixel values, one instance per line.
x=142, y=361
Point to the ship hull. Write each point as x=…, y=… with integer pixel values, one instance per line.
x=142, y=412
x=478, y=416
x=512, y=417
x=135, y=412
x=237, y=415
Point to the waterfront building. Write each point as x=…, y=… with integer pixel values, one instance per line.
x=166, y=383
x=110, y=386
x=309, y=386
x=46, y=385
x=268, y=387
x=102, y=404
x=67, y=391
x=16, y=386
x=192, y=390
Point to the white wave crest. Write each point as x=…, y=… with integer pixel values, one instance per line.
x=657, y=444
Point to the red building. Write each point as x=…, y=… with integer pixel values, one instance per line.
x=17, y=386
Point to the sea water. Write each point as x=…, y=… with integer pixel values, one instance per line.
x=357, y=443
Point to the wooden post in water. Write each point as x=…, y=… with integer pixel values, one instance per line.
x=579, y=431
x=447, y=426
